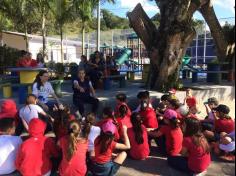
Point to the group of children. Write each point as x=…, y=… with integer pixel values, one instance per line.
x=88, y=146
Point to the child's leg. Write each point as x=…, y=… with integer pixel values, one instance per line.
x=120, y=158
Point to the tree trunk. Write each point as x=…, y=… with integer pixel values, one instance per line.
x=209, y=15
x=26, y=38
x=61, y=35
x=44, y=33
x=83, y=39
x=168, y=44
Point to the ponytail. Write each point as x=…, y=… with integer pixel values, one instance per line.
x=123, y=110
x=74, y=131
x=90, y=120
x=136, y=121
x=105, y=140
x=200, y=140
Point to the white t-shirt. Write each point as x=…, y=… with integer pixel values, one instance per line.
x=94, y=133
x=29, y=112
x=44, y=91
x=9, y=146
x=139, y=107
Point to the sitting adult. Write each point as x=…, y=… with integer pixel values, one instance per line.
x=40, y=60
x=26, y=60
x=84, y=93
x=42, y=89
x=111, y=66
x=97, y=64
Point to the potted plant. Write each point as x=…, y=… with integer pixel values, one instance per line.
x=60, y=69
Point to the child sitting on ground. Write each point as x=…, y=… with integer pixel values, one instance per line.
x=138, y=138
x=173, y=136
x=30, y=110
x=124, y=117
x=190, y=100
x=62, y=117
x=225, y=148
x=74, y=148
x=121, y=100
x=107, y=116
x=195, y=151
x=93, y=134
x=35, y=153
x=223, y=123
x=174, y=104
x=103, y=163
x=9, y=146
x=149, y=115
x=143, y=96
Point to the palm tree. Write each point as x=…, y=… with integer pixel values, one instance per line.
x=63, y=12
x=20, y=12
x=43, y=7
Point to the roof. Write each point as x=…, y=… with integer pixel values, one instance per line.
x=38, y=38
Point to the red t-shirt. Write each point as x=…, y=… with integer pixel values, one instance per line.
x=138, y=151
x=191, y=101
x=105, y=157
x=224, y=125
x=125, y=121
x=119, y=127
x=118, y=106
x=198, y=159
x=77, y=165
x=174, y=139
x=150, y=119
x=34, y=156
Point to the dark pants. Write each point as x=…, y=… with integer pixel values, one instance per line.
x=161, y=142
x=80, y=101
x=179, y=163
x=16, y=173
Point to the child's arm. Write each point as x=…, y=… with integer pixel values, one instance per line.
x=184, y=152
x=155, y=134
x=126, y=144
x=25, y=124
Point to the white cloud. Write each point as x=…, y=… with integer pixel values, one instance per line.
x=148, y=7
x=225, y=4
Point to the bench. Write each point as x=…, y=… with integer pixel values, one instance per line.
x=107, y=81
x=212, y=76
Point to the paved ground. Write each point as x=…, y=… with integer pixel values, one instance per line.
x=157, y=165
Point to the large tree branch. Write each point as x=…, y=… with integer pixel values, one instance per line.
x=143, y=26
x=209, y=15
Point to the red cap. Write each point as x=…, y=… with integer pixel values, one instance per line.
x=8, y=109
x=37, y=127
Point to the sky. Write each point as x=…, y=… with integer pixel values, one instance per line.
x=223, y=8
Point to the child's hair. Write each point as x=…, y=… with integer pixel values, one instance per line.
x=193, y=129
x=108, y=112
x=89, y=121
x=6, y=124
x=175, y=103
x=136, y=121
x=121, y=97
x=30, y=99
x=105, y=140
x=165, y=97
x=175, y=123
x=38, y=80
x=123, y=110
x=143, y=95
x=74, y=132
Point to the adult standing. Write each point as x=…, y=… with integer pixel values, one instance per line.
x=42, y=89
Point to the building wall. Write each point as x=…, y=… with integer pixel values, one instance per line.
x=14, y=41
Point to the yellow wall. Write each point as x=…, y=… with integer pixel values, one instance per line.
x=14, y=41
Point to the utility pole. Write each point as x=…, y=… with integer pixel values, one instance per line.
x=99, y=25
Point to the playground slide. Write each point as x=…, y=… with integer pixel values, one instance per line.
x=124, y=56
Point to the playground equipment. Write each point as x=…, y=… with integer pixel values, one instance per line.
x=124, y=56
